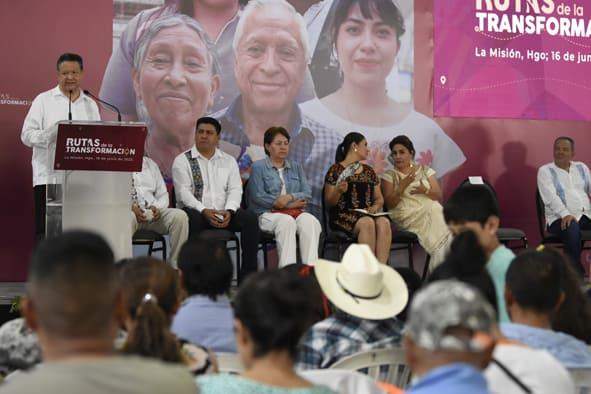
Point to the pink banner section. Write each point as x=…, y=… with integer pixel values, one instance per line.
x=522, y=59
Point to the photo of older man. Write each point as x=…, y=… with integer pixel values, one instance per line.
x=271, y=52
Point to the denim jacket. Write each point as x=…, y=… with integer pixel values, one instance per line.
x=264, y=184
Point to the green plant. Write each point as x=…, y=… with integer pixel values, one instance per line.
x=15, y=304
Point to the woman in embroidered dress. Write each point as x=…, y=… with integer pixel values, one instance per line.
x=351, y=185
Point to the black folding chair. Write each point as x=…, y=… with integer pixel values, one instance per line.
x=508, y=236
x=548, y=238
x=149, y=238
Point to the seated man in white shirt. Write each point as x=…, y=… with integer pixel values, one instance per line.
x=40, y=126
x=564, y=186
x=150, y=208
x=208, y=188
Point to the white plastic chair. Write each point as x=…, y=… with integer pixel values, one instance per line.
x=229, y=363
x=582, y=379
x=384, y=365
x=342, y=381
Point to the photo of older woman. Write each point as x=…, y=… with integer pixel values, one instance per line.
x=218, y=19
x=175, y=81
x=411, y=195
x=279, y=193
x=365, y=41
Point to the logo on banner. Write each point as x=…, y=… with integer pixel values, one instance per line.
x=512, y=59
x=532, y=17
x=94, y=145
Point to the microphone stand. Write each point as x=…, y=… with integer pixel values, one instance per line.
x=70, y=106
x=105, y=103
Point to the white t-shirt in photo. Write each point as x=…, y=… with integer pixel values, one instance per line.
x=433, y=147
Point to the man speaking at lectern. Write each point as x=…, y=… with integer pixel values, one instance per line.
x=40, y=126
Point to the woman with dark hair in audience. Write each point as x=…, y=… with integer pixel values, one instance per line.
x=320, y=304
x=205, y=316
x=272, y=310
x=466, y=261
x=514, y=366
x=279, y=193
x=412, y=193
x=151, y=293
x=351, y=186
x=574, y=314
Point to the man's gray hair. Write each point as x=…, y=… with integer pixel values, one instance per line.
x=149, y=32
x=256, y=6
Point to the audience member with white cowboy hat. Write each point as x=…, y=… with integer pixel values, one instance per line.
x=368, y=295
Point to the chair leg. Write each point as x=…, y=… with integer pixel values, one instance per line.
x=426, y=267
x=411, y=262
x=265, y=257
x=238, y=264
x=164, y=249
x=150, y=247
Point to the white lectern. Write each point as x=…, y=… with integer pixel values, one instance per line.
x=91, y=188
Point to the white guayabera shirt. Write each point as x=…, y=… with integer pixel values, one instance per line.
x=40, y=127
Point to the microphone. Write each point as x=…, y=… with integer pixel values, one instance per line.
x=104, y=102
x=70, y=106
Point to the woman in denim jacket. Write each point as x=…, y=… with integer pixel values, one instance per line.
x=278, y=193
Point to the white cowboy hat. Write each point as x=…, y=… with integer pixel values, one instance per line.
x=360, y=286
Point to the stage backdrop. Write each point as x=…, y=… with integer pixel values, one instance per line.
x=112, y=36
x=34, y=33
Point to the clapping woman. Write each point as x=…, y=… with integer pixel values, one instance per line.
x=412, y=193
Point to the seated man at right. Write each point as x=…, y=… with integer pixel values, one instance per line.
x=564, y=188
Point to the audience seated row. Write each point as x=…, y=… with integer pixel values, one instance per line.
x=466, y=262
x=77, y=301
x=75, y=306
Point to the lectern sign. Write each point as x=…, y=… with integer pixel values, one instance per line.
x=100, y=146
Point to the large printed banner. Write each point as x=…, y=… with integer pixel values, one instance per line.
x=153, y=71
x=523, y=59
x=342, y=66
